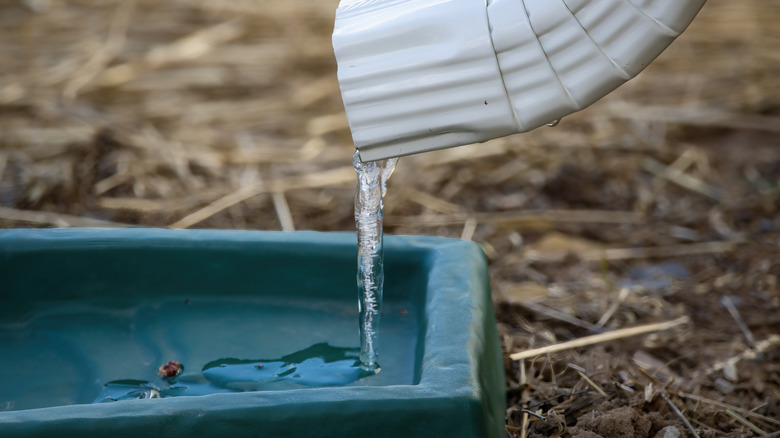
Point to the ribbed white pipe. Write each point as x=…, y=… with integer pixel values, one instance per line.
x=420, y=75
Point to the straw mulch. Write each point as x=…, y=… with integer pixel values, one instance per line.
x=658, y=205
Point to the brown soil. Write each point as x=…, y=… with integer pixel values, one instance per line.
x=659, y=202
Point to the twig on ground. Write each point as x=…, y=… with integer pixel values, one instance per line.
x=561, y=316
x=622, y=295
x=680, y=414
x=729, y=305
x=524, y=401
x=534, y=414
x=594, y=385
x=602, y=337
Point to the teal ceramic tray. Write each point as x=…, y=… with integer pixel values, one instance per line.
x=264, y=325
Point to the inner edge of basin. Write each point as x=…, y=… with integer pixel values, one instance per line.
x=436, y=254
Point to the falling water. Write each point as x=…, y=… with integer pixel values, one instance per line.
x=372, y=186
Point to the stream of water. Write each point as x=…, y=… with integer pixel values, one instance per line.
x=372, y=186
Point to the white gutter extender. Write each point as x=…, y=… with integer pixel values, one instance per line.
x=420, y=75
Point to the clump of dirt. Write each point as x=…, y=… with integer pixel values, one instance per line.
x=621, y=421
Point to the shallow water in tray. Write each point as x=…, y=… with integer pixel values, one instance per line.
x=94, y=351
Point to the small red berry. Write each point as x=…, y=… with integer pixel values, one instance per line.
x=171, y=369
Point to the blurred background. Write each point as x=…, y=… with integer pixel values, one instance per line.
x=656, y=202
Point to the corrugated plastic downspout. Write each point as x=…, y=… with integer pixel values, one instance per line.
x=420, y=75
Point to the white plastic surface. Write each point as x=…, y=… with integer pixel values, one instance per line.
x=420, y=75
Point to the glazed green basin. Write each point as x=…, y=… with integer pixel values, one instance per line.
x=89, y=315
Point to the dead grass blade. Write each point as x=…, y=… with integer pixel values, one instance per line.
x=603, y=337
x=622, y=296
x=594, y=385
x=188, y=48
x=533, y=306
x=695, y=116
x=431, y=202
x=524, y=400
x=468, y=229
x=523, y=218
x=158, y=205
x=220, y=204
x=729, y=305
x=283, y=211
x=681, y=179
x=54, y=219
x=742, y=420
x=117, y=33
x=663, y=251
x=720, y=404
x=326, y=178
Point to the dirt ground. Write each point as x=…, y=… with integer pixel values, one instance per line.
x=657, y=204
